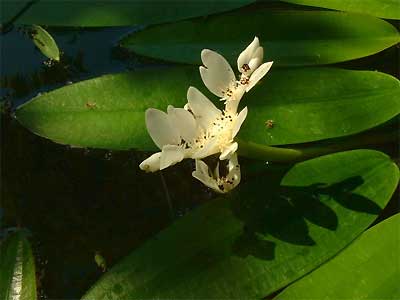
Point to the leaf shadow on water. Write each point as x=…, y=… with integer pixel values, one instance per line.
x=281, y=212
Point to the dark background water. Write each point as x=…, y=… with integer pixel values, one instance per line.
x=78, y=202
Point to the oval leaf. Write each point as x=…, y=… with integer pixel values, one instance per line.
x=273, y=231
x=112, y=13
x=305, y=105
x=17, y=269
x=314, y=104
x=367, y=269
x=289, y=38
x=388, y=9
x=45, y=43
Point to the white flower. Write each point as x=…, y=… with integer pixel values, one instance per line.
x=200, y=129
x=196, y=132
x=168, y=131
x=217, y=129
x=213, y=179
x=220, y=79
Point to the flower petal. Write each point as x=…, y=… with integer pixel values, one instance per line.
x=239, y=121
x=234, y=171
x=258, y=74
x=210, y=147
x=216, y=171
x=217, y=74
x=256, y=60
x=152, y=163
x=171, y=155
x=203, y=109
x=202, y=174
x=229, y=151
x=160, y=128
x=247, y=54
x=184, y=122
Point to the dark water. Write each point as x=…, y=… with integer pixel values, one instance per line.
x=78, y=202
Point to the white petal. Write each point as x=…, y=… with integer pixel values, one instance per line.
x=217, y=74
x=202, y=167
x=203, y=109
x=256, y=60
x=183, y=121
x=247, y=54
x=239, y=121
x=161, y=129
x=234, y=171
x=233, y=163
x=258, y=74
x=228, y=151
x=216, y=171
x=201, y=173
x=152, y=163
x=170, y=155
x=210, y=147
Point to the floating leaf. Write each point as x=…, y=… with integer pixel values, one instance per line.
x=45, y=42
x=273, y=231
x=388, y=9
x=289, y=38
x=305, y=105
x=367, y=269
x=17, y=269
x=113, y=13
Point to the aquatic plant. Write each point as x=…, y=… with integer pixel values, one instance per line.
x=313, y=146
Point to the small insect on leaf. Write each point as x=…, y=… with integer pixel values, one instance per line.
x=91, y=105
x=270, y=123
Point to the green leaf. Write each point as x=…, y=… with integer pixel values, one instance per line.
x=45, y=42
x=17, y=269
x=313, y=104
x=273, y=231
x=289, y=38
x=112, y=13
x=368, y=269
x=305, y=105
x=388, y=9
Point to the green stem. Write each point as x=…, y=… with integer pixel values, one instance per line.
x=300, y=153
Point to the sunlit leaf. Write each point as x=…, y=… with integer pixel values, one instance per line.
x=275, y=229
x=305, y=105
x=17, y=269
x=368, y=269
x=45, y=43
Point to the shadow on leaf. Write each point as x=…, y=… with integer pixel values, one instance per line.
x=282, y=212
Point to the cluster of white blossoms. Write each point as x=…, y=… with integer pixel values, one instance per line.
x=200, y=129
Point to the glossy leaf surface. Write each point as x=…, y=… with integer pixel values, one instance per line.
x=112, y=13
x=275, y=229
x=367, y=269
x=388, y=9
x=17, y=269
x=305, y=105
x=45, y=43
x=289, y=38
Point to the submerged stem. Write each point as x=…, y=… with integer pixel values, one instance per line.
x=167, y=196
x=300, y=153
